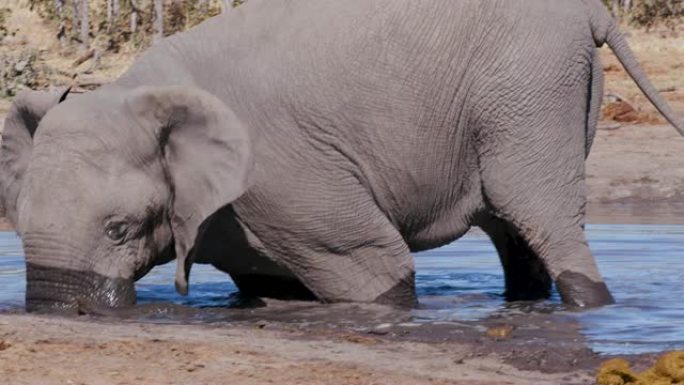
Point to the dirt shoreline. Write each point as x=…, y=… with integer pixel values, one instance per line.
x=35, y=349
x=295, y=343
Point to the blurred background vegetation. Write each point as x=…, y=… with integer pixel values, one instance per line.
x=646, y=13
x=117, y=22
x=77, y=34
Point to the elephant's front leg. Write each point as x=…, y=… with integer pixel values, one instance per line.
x=341, y=247
x=231, y=247
x=258, y=276
x=358, y=257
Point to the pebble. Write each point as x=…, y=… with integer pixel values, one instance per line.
x=381, y=329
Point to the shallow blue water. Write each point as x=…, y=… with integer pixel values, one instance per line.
x=642, y=264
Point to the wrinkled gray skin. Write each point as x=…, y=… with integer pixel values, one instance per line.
x=306, y=147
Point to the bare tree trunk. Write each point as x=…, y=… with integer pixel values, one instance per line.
x=158, y=20
x=203, y=6
x=59, y=11
x=85, y=24
x=615, y=9
x=110, y=14
x=627, y=6
x=76, y=13
x=134, y=17
x=134, y=22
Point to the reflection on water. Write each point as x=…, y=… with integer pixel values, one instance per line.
x=642, y=264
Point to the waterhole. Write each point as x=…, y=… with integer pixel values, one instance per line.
x=642, y=265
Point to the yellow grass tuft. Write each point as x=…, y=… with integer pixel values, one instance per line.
x=668, y=370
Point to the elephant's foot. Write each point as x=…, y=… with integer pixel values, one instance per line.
x=403, y=294
x=278, y=287
x=580, y=291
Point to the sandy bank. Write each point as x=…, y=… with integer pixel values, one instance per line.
x=36, y=350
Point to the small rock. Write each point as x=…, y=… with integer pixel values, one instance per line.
x=357, y=339
x=381, y=329
x=21, y=66
x=500, y=332
x=194, y=368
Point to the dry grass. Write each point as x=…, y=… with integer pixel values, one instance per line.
x=29, y=32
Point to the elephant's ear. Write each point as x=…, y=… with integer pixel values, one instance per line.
x=21, y=123
x=206, y=155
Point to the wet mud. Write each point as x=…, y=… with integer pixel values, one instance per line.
x=532, y=338
x=531, y=345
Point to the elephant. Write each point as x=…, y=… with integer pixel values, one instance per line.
x=308, y=147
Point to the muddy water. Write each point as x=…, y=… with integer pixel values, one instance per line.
x=642, y=264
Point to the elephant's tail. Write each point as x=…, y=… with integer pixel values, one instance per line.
x=605, y=29
x=619, y=46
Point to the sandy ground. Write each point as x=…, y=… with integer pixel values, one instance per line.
x=37, y=350
x=636, y=158
x=637, y=164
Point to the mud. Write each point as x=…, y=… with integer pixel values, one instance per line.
x=292, y=343
x=297, y=343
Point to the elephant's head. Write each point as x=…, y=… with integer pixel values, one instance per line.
x=103, y=186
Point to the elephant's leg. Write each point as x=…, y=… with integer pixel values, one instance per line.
x=535, y=181
x=258, y=276
x=341, y=247
x=360, y=259
x=525, y=274
x=230, y=247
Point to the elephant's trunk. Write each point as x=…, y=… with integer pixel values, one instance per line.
x=51, y=289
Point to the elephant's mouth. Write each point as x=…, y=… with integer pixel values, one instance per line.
x=56, y=290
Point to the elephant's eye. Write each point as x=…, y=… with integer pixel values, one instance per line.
x=116, y=231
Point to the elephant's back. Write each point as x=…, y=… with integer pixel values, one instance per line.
x=385, y=88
